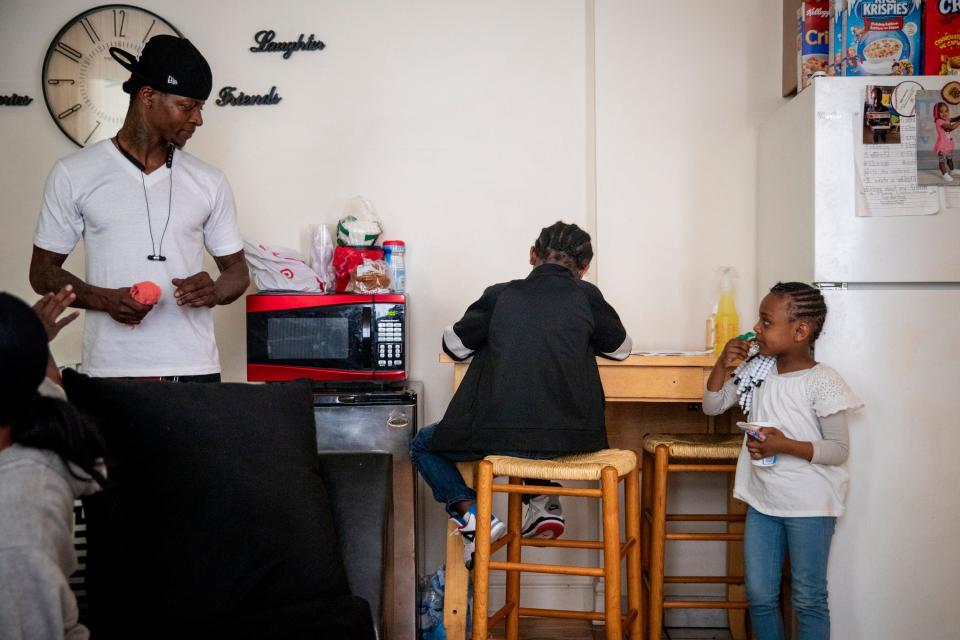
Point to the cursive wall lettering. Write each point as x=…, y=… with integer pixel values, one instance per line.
x=265, y=44
x=14, y=100
x=229, y=97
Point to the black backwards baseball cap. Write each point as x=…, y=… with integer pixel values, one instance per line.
x=168, y=64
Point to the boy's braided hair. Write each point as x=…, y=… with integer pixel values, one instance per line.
x=565, y=244
x=805, y=302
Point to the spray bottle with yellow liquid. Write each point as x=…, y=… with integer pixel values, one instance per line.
x=726, y=323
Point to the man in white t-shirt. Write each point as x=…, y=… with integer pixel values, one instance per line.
x=146, y=210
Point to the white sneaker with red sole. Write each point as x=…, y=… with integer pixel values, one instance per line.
x=544, y=519
x=467, y=530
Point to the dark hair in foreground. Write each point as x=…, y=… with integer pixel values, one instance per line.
x=806, y=303
x=36, y=421
x=565, y=244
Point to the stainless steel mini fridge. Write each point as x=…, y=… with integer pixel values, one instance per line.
x=382, y=419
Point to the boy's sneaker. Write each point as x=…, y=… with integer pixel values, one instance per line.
x=947, y=177
x=467, y=529
x=544, y=519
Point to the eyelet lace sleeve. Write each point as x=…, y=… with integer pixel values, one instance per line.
x=829, y=392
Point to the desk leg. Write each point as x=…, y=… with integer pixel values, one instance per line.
x=736, y=617
x=457, y=578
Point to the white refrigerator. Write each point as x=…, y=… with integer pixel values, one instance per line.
x=892, y=287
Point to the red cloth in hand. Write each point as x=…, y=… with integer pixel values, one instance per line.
x=145, y=292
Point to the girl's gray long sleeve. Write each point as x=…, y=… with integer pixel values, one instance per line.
x=834, y=447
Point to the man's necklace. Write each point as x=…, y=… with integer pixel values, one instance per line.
x=156, y=253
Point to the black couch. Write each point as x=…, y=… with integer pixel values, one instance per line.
x=222, y=520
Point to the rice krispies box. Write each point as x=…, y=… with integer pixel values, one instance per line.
x=882, y=37
x=941, y=35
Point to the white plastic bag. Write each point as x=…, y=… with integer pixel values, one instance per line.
x=280, y=269
x=359, y=226
x=321, y=257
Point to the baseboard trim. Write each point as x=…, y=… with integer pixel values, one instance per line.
x=540, y=591
x=690, y=618
x=582, y=593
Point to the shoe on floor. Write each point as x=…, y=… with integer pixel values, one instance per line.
x=467, y=530
x=947, y=177
x=544, y=518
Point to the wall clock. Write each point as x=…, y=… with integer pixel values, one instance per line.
x=81, y=82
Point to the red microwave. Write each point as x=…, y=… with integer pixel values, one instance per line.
x=346, y=337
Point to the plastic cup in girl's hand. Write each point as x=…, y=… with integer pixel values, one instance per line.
x=752, y=429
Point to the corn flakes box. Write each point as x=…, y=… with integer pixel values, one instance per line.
x=814, y=41
x=941, y=37
x=883, y=37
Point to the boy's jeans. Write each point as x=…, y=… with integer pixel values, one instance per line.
x=807, y=540
x=440, y=472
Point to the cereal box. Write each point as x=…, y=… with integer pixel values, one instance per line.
x=814, y=41
x=882, y=37
x=837, y=48
x=941, y=35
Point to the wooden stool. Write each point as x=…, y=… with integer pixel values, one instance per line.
x=670, y=453
x=607, y=467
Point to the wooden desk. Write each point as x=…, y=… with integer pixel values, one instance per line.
x=638, y=379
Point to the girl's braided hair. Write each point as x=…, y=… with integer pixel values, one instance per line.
x=806, y=302
x=564, y=244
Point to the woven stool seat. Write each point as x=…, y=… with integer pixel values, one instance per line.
x=701, y=446
x=578, y=466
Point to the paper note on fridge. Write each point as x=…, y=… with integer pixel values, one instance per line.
x=885, y=152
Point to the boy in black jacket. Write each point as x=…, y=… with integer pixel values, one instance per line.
x=533, y=388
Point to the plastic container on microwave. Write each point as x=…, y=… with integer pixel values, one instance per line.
x=394, y=252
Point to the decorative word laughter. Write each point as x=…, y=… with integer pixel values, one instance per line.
x=229, y=98
x=265, y=44
x=15, y=100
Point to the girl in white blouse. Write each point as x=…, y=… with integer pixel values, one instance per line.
x=793, y=504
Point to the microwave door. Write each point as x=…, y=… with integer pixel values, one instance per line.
x=335, y=337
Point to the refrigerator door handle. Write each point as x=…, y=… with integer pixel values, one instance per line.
x=829, y=286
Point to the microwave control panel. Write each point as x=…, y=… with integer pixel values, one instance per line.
x=391, y=342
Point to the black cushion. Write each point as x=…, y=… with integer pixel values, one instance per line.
x=215, y=510
x=340, y=618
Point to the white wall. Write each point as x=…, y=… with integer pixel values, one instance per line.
x=681, y=89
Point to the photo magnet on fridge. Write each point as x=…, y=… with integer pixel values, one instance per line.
x=937, y=122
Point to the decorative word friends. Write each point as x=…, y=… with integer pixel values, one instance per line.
x=14, y=100
x=229, y=97
x=265, y=44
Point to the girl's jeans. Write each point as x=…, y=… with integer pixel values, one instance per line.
x=439, y=469
x=807, y=540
